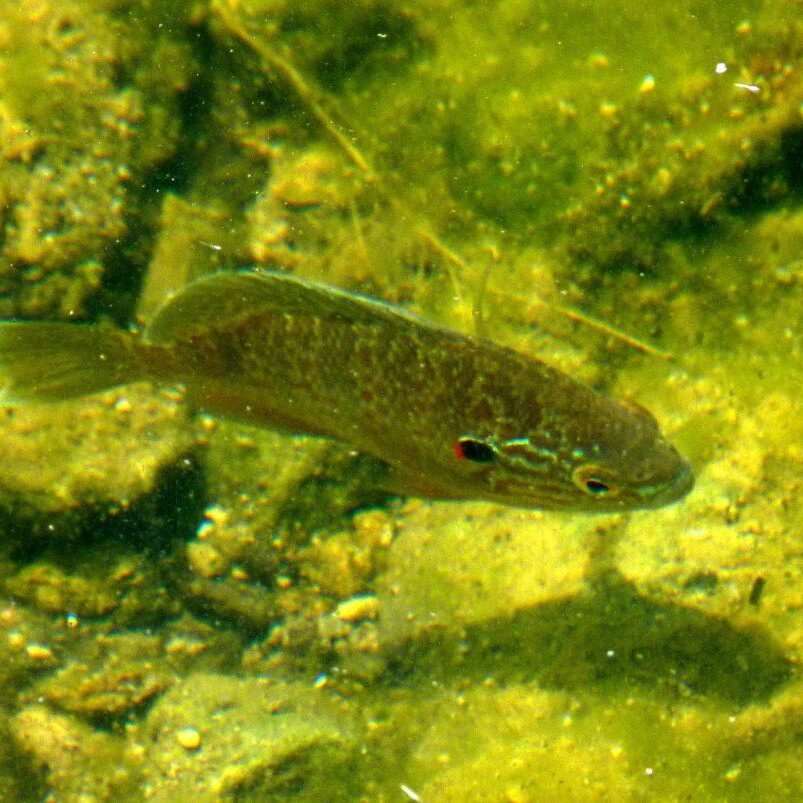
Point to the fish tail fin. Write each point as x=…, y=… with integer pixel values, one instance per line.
x=45, y=362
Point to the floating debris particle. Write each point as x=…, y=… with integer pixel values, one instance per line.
x=16, y=639
x=608, y=109
x=599, y=61
x=413, y=795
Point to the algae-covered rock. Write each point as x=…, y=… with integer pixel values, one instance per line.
x=453, y=564
x=250, y=605
x=688, y=183
x=285, y=485
x=251, y=739
x=16, y=781
x=49, y=589
x=344, y=563
x=29, y=646
x=116, y=589
x=116, y=674
x=279, y=538
x=78, y=762
x=73, y=457
x=529, y=745
x=78, y=135
x=108, y=675
x=732, y=549
x=567, y=760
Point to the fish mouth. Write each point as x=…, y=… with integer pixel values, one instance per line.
x=673, y=491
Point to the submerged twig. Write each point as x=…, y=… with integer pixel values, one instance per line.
x=589, y=321
x=300, y=86
x=606, y=329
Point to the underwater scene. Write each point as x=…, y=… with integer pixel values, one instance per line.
x=401, y=401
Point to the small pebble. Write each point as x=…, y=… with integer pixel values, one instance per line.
x=205, y=560
x=608, y=109
x=239, y=574
x=647, y=85
x=16, y=639
x=37, y=652
x=189, y=738
x=357, y=609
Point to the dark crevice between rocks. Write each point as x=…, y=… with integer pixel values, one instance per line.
x=152, y=525
x=774, y=178
x=127, y=259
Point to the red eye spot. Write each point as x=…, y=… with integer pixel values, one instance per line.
x=476, y=451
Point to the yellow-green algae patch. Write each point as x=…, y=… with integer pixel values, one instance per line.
x=68, y=458
x=82, y=118
x=533, y=745
x=257, y=738
x=460, y=158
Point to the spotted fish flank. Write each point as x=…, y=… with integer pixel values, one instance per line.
x=453, y=416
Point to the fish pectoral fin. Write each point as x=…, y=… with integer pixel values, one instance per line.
x=250, y=405
x=397, y=481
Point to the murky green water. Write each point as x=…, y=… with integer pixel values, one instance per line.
x=196, y=609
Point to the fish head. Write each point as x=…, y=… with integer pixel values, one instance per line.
x=614, y=458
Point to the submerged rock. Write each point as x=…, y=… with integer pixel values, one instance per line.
x=117, y=674
x=118, y=445
x=79, y=763
x=215, y=737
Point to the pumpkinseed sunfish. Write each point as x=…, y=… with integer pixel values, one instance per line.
x=453, y=416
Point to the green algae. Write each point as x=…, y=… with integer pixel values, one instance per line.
x=476, y=163
x=81, y=121
x=258, y=740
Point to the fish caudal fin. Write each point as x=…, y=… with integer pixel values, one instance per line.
x=45, y=362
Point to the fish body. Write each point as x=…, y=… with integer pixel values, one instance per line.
x=453, y=416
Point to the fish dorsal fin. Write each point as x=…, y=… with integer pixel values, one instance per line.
x=222, y=297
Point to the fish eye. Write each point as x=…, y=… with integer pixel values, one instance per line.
x=475, y=450
x=596, y=487
x=596, y=481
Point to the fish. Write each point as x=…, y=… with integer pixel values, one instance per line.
x=450, y=415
